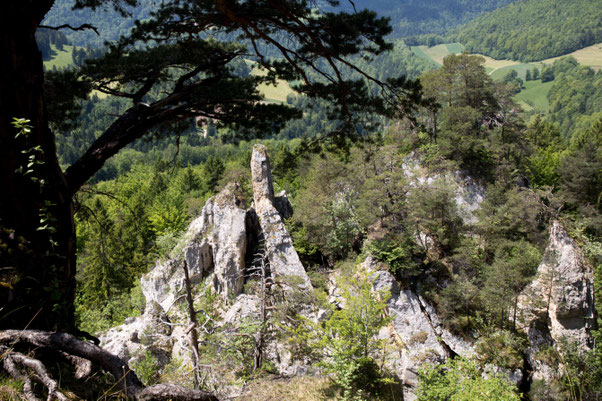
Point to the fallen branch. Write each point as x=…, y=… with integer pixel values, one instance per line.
x=65, y=343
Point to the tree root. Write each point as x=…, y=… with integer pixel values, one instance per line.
x=81, y=354
x=15, y=373
x=13, y=360
x=83, y=367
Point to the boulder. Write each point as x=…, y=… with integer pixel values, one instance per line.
x=152, y=331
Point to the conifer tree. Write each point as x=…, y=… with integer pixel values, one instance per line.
x=170, y=70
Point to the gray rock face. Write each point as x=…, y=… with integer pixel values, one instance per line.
x=453, y=343
x=415, y=328
x=151, y=332
x=281, y=254
x=559, y=305
x=215, y=241
x=468, y=193
x=245, y=307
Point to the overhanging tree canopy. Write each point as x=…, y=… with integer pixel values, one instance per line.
x=173, y=67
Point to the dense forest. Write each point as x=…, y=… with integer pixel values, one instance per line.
x=533, y=30
x=575, y=97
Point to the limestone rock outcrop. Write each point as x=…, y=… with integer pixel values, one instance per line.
x=283, y=259
x=216, y=242
x=215, y=249
x=415, y=329
x=149, y=332
x=214, y=246
x=219, y=248
x=558, y=306
x=468, y=193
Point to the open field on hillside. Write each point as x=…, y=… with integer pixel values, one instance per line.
x=590, y=56
x=535, y=95
x=455, y=47
x=60, y=59
x=497, y=65
x=438, y=53
x=278, y=93
x=273, y=93
x=521, y=69
x=64, y=59
x=419, y=51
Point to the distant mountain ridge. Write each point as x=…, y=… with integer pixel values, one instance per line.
x=110, y=24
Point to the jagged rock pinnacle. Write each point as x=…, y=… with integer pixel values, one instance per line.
x=284, y=261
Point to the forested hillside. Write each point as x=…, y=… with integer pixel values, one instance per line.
x=110, y=23
x=99, y=112
x=410, y=17
x=575, y=96
x=532, y=30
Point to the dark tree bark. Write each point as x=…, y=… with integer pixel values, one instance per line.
x=37, y=264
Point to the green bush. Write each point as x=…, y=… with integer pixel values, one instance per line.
x=146, y=368
x=398, y=255
x=461, y=379
x=345, y=344
x=502, y=348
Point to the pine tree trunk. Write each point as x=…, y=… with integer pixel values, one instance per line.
x=37, y=256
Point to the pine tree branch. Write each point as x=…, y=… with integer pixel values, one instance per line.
x=82, y=27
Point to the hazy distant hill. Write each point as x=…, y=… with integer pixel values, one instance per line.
x=530, y=30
